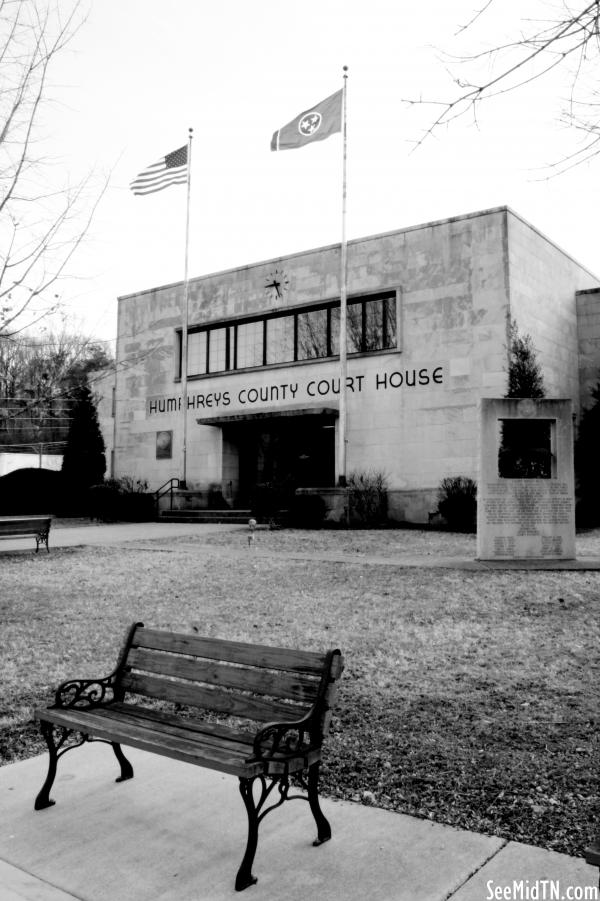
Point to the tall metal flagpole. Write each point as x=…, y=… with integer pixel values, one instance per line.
x=343, y=308
x=184, y=319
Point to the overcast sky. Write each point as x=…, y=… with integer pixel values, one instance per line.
x=140, y=72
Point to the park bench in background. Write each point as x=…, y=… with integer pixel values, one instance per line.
x=21, y=526
x=283, y=698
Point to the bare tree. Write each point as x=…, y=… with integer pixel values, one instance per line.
x=40, y=376
x=41, y=226
x=569, y=40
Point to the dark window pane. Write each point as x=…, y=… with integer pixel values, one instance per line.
x=196, y=353
x=391, y=337
x=380, y=324
x=280, y=340
x=249, y=344
x=335, y=330
x=354, y=328
x=217, y=352
x=312, y=334
x=373, y=325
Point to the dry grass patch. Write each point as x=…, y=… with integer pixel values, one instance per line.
x=380, y=542
x=384, y=542
x=470, y=698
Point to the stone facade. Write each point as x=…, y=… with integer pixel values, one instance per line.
x=412, y=409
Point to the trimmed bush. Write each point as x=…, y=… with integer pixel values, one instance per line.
x=368, y=498
x=104, y=501
x=457, y=503
x=30, y=490
x=121, y=499
x=307, y=511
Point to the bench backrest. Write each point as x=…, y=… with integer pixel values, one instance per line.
x=256, y=682
x=24, y=525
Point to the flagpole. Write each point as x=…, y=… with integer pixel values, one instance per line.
x=184, y=319
x=343, y=309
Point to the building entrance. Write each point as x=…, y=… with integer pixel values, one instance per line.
x=284, y=453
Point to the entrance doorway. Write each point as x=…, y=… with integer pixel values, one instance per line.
x=283, y=453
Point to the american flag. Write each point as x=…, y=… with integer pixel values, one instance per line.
x=169, y=170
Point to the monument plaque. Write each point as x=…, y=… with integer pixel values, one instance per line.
x=526, y=503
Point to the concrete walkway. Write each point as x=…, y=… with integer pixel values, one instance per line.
x=177, y=833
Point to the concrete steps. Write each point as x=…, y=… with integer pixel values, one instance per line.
x=240, y=517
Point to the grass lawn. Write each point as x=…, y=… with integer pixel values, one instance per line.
x=470, y=698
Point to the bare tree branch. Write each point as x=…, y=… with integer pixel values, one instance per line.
x=541, y=47
x=41, y=228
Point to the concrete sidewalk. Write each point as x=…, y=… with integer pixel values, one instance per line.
x=113, y=533
x=177, y=832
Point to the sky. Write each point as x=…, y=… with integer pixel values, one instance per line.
x=139, y=73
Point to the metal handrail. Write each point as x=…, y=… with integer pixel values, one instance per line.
x=168, y=486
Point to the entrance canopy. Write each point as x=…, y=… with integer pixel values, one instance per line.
x=278, y=413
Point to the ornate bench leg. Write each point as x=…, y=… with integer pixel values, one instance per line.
x=244, y=876
x=43, y=799
x=323, y=827
x=41, y=538
x=126, y=768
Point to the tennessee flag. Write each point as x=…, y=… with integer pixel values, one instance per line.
x=314, y=124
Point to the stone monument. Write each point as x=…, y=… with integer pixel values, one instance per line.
x=526, y=499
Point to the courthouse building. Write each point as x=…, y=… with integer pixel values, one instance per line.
x=429, y=311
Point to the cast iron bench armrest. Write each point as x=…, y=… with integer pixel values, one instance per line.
x=86, y=693
x=284, y=740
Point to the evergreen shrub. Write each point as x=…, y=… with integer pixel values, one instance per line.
x=457, y=503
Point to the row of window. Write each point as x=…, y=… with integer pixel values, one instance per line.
x=293, y=336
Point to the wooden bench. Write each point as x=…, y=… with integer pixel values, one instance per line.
x=592, y=855
x=20, y=526
x=279, y=700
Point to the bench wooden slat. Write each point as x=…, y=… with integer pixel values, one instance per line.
x=177, y=729
x=34, y=518
x=139, y=712
x=298, y=687
x=211, y=734
x=211, y=699
x=18, y=530
x=190, y=751
x=231, y=651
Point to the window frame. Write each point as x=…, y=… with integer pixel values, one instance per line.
x=231, y=333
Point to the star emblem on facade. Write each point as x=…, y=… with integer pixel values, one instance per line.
x=310, y=123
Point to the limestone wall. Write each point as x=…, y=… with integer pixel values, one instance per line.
x=412, y=412
x=543, y=281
